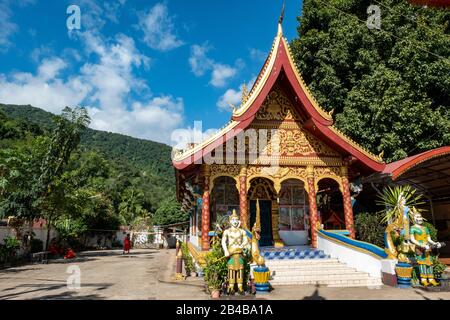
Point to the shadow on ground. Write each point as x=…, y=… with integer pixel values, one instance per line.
x=35, y=288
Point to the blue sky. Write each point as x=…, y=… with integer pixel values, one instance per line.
x=141, y=68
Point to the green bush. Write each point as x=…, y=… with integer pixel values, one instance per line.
x=187, y=258
x=432, y=229
x=370, y=228
x=9, y=249
x=216, y=266
x=438, y=267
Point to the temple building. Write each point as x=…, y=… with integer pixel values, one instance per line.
x=281, y=148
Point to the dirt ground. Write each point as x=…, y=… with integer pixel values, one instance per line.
x=148, y=274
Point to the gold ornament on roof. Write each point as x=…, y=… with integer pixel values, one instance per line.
x=245, y=94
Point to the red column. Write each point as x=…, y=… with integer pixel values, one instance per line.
x=243, y=198
x=313, y=215
x=348, y=210
x=205, y=215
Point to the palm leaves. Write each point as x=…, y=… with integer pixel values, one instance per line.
x=390, y=199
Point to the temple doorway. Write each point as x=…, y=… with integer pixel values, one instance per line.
x=330, y=205
x=262, y=189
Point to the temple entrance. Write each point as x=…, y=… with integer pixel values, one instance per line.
x=262, y=189
x=330, y=205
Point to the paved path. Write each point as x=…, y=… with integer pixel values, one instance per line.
x=144, y=274
x=147, y=274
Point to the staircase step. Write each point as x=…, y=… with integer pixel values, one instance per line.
x=304, y=266
x=325, y=266
x=333, y=283
x=302, y=271
x=300, y=262
x=324, y=277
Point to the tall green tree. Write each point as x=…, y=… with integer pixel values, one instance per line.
x=30, y=173
x=169, y=212
x=389, y=88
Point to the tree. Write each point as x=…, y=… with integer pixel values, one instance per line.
x=370, y=228
x=64, y=140
x=30, y=173
x=131, y=209
x=169, y=212
x=389, y=88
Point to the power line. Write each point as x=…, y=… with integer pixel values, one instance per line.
x=386, y=32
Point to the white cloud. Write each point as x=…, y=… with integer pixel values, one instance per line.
x=7, y=27
x=159, y=29
x=233, y=97
x=95, y=14
x=257, y=54
x=51, y=95
x=221, y=73
x=200, y=64
x=50, y=68
x=155, y=119
x=116, y=99
x=198, y=60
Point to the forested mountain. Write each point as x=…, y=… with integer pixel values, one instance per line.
x=147, y=156
x=389, y=87
x=81, y=180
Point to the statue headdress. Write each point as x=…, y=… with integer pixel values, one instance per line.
x=415, y=212
x=233, y=215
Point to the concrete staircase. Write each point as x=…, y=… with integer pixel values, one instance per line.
x=298, y=266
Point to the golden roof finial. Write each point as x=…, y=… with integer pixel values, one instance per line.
x=280, y=20
x=244, y=94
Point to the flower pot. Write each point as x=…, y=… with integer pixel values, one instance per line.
x=215, y=294
x=404, y=274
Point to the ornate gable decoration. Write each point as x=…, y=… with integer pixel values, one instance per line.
x=277, y=106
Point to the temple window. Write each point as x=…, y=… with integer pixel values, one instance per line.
x=293, y=214
x=225, y=198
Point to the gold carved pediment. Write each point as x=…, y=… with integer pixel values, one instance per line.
x=277, y=106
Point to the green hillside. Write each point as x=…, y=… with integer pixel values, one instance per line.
x=151, y=157
x=81, y=180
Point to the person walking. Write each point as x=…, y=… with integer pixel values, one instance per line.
x=126, y=244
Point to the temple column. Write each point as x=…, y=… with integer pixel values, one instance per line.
x=277, y=242
x=348, y=210
x=313, y=215
x=243, y=205
x=205, y=209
